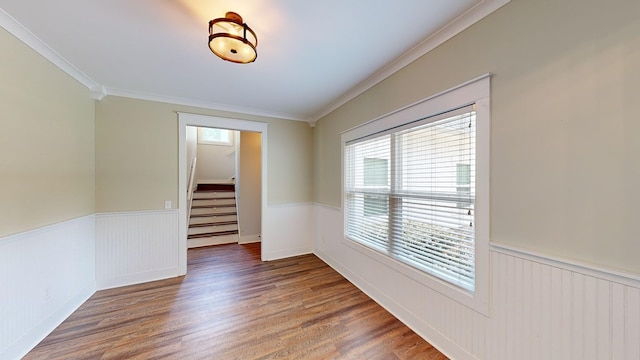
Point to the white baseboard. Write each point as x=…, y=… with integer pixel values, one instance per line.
x=44, y=328
x=248, y=239
x=137, y=278
x=285, y=253
x=421, y=327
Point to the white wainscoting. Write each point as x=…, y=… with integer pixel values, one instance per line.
x=45, y=275
x=136, y=247
x=287, y=230
x=542, y=307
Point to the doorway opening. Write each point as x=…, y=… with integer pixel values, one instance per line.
x=223, y=186
x=186, y=120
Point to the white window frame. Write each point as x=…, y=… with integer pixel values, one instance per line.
x=476, y=91
x=203, y=141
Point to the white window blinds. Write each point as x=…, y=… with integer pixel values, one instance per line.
x=410, y=194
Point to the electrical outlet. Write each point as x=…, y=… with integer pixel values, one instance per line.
x=167, y=204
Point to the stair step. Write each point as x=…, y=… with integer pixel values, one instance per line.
x=195, y=220
x=212, y=229
x=216, y=223
x=213, y=234
x=219, y=197
x=228, y=213
x=215, y=187
x=210, y=210
x=212, y=240
x=212, y=203
x=214, y=216
x=212, y=206
x=214, y=195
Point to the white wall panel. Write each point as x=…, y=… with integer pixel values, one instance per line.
x=45, y=275
x=288, y=228
x=541, y=307
x=632, y=329
x=135, y=247
x=216, y=163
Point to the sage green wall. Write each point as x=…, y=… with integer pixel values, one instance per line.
x=290, y=167
x=249, y=211
x=565, y=160
x=137, y=155
x=46, y=141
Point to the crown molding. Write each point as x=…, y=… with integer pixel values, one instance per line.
x=456, y=26
x=30, y=39
x=200, y=104
x=99, y=91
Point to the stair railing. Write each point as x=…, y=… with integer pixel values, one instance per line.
x=192, y=175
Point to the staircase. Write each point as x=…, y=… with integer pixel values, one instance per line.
x=214, y=218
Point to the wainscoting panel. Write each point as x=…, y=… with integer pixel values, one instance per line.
x=558, y=310
x=287, y=230
x=45, y=275
x=541, y=307
x=136, y=247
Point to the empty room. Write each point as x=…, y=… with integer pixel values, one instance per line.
x=331, y=180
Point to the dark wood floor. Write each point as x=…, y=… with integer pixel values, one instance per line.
x=232, y=306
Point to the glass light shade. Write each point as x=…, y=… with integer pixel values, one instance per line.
x=232, y=40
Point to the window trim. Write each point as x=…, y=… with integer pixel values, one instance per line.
x=476, y=91
x=202, y=141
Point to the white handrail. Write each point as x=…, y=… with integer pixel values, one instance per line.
x=192, y=175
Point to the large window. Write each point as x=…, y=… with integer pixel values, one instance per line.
x=410, y=191
x=420, y=215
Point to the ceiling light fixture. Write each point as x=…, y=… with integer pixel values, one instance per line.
x=232, y=40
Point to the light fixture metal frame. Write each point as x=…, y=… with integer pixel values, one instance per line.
x=232, y=17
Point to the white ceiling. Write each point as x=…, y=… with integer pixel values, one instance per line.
x=312, y=55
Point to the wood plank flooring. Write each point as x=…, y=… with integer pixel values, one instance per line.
x=230, y=305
